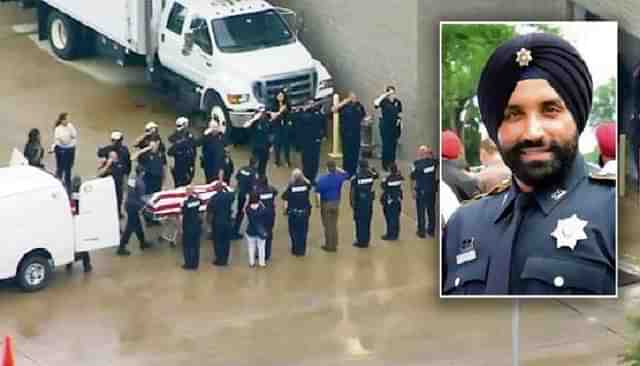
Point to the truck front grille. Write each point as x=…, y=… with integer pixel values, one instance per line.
x=300, y=87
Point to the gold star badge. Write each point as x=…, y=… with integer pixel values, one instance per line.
x=523, y=57
x=569, y=231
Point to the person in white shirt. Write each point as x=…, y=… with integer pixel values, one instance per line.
x=64, y=146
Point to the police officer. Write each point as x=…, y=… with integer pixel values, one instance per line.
x=423, y=186
x=551, y=231
x=151, y=133
x=282, y=126
x=390, y=124
x=361, y=198
x=191, y=229
x=297, y=206
x=124, y=158
x=267, y=195
x=153, y=163
x=246, y=178
x=183, y=151
x=212, y=143
x=260, y=141
x=219, y=217
x=391, y=200
x=133, y=205
x=116, y=169
x=312, y=129
x=352, y=114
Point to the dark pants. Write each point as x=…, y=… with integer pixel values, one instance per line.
x=389, y=147
x=425, y=201
x=241, y=199
x=270, y=222
x=191, y=247
x=282, y=144
x=210, y=172
x=392, y=216
x=181, y=174
x=298, y=230
x=133, y=226
x=221, y=243
x=119, y=194
x=152, y=183
x=65, y=157
x=362, y=216
x=311, y=160
x=262, y=155
x=84, y=257
x=350, y=153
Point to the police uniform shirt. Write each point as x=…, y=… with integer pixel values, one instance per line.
x=183, y=148
x=390, y=111
x=161, y=149
x=297, y=196
x=246, y=178
x=212, y=149
x=219, y=208
x=228, y=168
x=351, y=116
x=117, y=170
x=153, y=163
x=392, y=188
x=561, y=243
x=191, y=214
x=267, y=196
x=261, y=131
x=135, y=194
x=123, y=155
x=362, y=186
x=423, y=172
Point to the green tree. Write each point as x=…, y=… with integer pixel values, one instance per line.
x=604, y=103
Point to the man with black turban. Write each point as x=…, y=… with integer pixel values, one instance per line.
x=552, y=230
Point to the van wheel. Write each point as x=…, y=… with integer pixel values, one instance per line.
x=63, y=36
x=34, y=273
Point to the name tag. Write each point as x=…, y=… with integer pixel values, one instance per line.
x=428, y=170
x=299, y=189
x=466, y=257
x=365, y=181
x=244, y=172
x=394, y=183
x=193, y=204
x=266, y=196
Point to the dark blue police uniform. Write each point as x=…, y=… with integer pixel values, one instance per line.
x=351, y=116
x=389, y=130
x=391, y=200
x=559, y=240
x=246, y=178
x=424, y=173
x=212, y=159
x=260, y=143
x=362, y=197
x=311, y=131
x=183, y=150
x=133, y=206
x=219, y=211
x=298, y=212
x=228, y=169
x=267, y=196
x=153, y=164
x=191, y=231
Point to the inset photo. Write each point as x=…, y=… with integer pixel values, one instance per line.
x=528, y=197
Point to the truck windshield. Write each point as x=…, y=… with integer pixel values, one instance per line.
x=248, y=32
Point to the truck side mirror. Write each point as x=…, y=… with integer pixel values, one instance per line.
x=188, y=44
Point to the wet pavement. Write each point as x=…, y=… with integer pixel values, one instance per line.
x=376, y=307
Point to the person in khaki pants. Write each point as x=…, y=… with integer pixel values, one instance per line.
x=328, y=188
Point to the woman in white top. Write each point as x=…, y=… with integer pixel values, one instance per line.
x=65, y=137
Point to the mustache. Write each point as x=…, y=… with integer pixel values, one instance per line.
x=527, y=144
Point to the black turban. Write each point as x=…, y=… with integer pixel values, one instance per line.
x=552, y=59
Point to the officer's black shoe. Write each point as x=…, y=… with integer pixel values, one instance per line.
x=421, y=234
x=216, y=263
x=88, y=268
x=187, y=268
x=388, y=238
x=69, y=266
x=145, y=245
x=123, y=251
x=431, y=233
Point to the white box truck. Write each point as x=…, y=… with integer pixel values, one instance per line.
x=220, y=56
x=39, y=230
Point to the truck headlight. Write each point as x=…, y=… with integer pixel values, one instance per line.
x=237, y=98
x=326, y=84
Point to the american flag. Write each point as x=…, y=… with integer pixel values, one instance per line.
x=169, y=202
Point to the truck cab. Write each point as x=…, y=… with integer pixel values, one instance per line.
x=238, y=54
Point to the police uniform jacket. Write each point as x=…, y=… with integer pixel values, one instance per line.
x=362, y=193
x=161, y=148
x=267, y=196
x=424, y=173
x=246, y=178
x=219, y=208
x=351, y=116
x=390, y=113
x=123, y=155
x=183, y=147
x=261, y=130
x=555, y=241
x=191, y=215
x=297, y=196
x=391, y=189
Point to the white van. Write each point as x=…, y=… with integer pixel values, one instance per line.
x=39, y=230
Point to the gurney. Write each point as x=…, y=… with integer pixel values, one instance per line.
x=165, y=206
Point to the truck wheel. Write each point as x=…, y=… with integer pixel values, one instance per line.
x=34, y=273
x=63, y=36
x=215, y=106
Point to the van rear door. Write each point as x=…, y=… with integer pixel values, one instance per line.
x=97, y=224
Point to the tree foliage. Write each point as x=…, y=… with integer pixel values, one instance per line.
x=604, y=103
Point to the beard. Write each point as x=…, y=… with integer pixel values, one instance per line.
x=541, y=173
